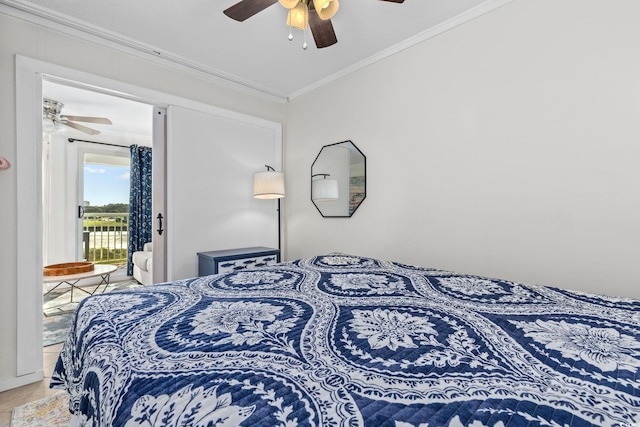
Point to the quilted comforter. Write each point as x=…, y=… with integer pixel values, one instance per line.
x=341, y=340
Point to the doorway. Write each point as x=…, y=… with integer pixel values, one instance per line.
x=29, y=154
x=86, y=191
x=31, y=77
x=86, y=175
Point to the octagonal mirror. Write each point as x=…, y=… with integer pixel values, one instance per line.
x=338, y=179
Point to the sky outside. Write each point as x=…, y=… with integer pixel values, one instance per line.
x=104, y=184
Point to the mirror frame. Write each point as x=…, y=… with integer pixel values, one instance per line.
x=351, y=209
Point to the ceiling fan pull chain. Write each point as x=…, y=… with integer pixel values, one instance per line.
x=290, y=32
x=304, y=45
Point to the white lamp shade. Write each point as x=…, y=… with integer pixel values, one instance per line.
x=324, y=190
x=326, y=8
x=268, y=185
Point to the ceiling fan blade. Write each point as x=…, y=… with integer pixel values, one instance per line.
x=247, y=8
x=322, y=30
x=395, y=1
x=81, y=128
x=101, y=120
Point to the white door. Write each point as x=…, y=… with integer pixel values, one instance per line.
x=211, y=158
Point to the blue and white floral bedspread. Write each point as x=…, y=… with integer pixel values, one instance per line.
x=340, y=340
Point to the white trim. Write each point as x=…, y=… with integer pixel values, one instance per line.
x=29, y=220
x=29, y=75
x=444, y=26
x=20, y=381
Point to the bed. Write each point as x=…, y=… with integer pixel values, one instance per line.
x=342, y=340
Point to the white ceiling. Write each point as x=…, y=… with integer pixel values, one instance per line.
x=253, y=55
x=132, y=121
x=256, y=53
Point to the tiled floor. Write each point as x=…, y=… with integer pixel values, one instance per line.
x=30, y=392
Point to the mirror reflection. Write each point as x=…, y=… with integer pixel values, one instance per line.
x=338, y=179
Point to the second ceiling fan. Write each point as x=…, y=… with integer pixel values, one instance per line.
x=52, y=116
x=317, y=13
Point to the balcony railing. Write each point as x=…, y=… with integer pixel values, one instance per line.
x=105, y=237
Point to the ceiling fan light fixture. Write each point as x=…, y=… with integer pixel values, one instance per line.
x=48, y=125
x=303, y=14
x=53, y=119
x=326, y=8
x=288, y=4
x=298, y=17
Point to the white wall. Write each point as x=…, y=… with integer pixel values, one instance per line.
x=209, y=186
x=21, y=38
x=506, y=147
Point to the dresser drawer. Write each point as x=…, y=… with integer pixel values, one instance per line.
x=224, y=261
x=245, y=263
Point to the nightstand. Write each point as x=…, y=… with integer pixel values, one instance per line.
x=224, y=261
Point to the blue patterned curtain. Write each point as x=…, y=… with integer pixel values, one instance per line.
x=140, y=208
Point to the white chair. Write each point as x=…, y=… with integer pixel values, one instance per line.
x=143, y=264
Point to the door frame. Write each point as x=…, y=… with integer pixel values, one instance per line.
x=29, y=74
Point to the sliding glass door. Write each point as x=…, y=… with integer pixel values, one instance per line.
x=103, y=207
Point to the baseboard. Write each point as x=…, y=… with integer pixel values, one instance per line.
x=22, y=380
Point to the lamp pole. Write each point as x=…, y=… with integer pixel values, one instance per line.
x=279, y=226
x=270, y=185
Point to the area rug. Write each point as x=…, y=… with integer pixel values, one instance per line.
x=52, y=411
x=55, y=329
x=58, y=309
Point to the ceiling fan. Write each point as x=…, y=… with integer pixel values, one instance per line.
x=52, y=115
x=317, y=14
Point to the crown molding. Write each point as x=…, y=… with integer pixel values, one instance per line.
x=72, y=27
x=444, y=26
x=64, y=24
